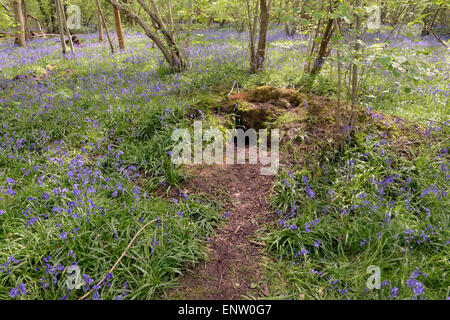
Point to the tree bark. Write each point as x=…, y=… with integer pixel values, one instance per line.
x=312, y=45
x=252, y=34
x=60, y=26
x=25, y=21
x=339, y=89
x=355, y=66
x=119, y=31
x=286, y=25
x=100, y=27
x=63, y=17
x=100, y=11
x=263, y=26
x=20, y=25
x=326, y=37
x=53, y=17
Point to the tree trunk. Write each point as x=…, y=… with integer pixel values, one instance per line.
x=127, y=19
x=257, y=57
x=60, y=26
x=100, y=27
x=100, y=11
x=53, y=17
x=63, y=18
x=264, y=23
x=25, y=21
x=119, y=31
x=20, y=24
x=339, y=90
x=252, y=35
x=311, y=46
x=317, y=56
x=286, y=25
x=241, y=27
x=279, y=12
x=7, y=11
x=355, y=66
x=320, y=59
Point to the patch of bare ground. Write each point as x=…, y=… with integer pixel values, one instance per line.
x=233, y=266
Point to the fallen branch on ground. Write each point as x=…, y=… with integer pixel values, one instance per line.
x=117, y=262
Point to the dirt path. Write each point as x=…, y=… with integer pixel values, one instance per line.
x=233, y=266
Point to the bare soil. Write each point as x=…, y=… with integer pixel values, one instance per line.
x=232, y=269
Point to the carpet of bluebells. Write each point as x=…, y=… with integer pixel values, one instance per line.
x=85, y=152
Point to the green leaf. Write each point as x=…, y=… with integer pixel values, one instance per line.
x=285, y=19
x=317, y=15
x=304, y=21
x=385, y=61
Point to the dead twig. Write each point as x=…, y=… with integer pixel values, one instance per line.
x=437, y=37
x=232, y=88
x=117, y=262
x=257, y=243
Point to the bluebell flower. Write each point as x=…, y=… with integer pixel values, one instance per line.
x=394, y=292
